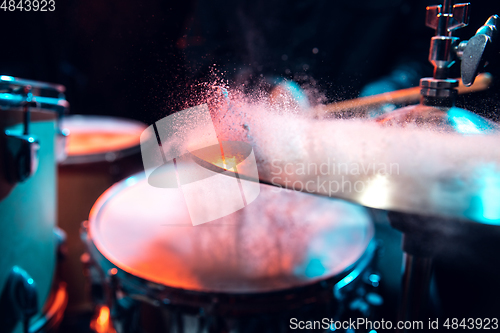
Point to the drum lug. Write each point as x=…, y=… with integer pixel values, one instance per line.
x=61, y=143
x=123, y=309
x=105, y=294
x=22, y=156
x=93, y=279
x=84, y=228
x=62, y=246
x=358, y=290
x=20, y=295
x=22, y=149
x=212, y=322
x=365, y=298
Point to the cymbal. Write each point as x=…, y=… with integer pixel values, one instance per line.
x=452, y=120
x=446, y=167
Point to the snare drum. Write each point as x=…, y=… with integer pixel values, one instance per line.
x=29, y=113
x=100, y=151
x=286, y=255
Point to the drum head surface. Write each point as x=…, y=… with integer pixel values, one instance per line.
x=90, y=135
x=283, y=239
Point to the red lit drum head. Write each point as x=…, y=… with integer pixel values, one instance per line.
x=98, y=135
x=284, y=239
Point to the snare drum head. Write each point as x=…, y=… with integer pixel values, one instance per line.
x=283, y=239
x=93, y=138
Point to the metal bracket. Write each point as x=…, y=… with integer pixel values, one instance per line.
x=456, y=19
x=474, y=50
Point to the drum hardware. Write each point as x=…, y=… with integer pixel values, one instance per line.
x=61, y=243
x=34, y=299
x=9, y=81
x=55, y=306
x=13, y=96
x=104, y=291
x=363, y=300
x=22, y=304
x=41, y=95
x=423, y=235
x=114, y=310
x=22, y=149
x=444, y=51
x=20, y=298
x=53, y=310
x=121, y=292
x=23, y=295
x=117, y=306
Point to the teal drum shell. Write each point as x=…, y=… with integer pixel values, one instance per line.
x=28, y=209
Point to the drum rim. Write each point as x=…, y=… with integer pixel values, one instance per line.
x=141, y=289
x=108, y=156
x=151, y=287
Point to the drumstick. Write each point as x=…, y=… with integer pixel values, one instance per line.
x=409, y=95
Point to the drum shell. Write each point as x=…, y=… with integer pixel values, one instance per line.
x=81, y=180
x=28, y=209
x=158, y=308
x=231, y=304
x=250, y=299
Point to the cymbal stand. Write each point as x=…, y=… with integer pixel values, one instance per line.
x=424, y=236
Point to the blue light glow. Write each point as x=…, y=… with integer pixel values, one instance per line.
x=485, y=203
x=6, y=78
x=464, y=125
x=315, y=268
x=466, y=122
x=130, y=181
x=374, y=279
x=6, y=96
x=297, y=93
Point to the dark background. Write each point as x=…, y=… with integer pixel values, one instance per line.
x=138, y=59
x=115, y=58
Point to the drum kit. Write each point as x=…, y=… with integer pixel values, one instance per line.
x=31, y=297
x=139, y=264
